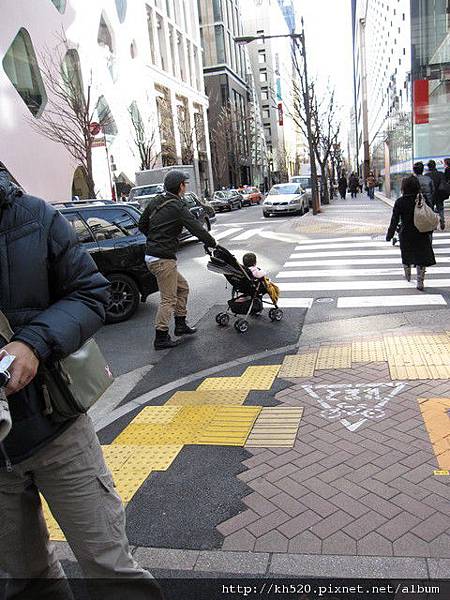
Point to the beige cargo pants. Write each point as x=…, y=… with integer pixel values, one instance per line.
x=173, y=289
x=71, y=474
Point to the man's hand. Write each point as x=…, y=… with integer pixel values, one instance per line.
x=24, y=368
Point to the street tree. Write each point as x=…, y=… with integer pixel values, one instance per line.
x=145, y=138
x=71, y=110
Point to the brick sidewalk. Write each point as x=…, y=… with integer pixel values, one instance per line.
x=349, y=486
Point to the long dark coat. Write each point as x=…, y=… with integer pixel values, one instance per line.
x=416, y=247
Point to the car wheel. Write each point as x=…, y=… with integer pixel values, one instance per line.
x=266, y=214
x=240, y=205
x=124, y=299
x=300, y=212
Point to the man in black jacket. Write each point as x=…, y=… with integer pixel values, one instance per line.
x=437, y=178
x=162, y=222
x=54, y=299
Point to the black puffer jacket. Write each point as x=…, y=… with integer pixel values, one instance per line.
x=53, y=296
x=162, y=226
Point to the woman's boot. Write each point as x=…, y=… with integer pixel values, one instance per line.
x=407, y=269
x=420, y=278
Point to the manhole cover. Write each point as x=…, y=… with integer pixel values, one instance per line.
x=324, y=300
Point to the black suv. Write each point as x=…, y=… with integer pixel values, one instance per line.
x=110, y=234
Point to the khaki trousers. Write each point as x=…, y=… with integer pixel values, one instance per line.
x=71, y=474
x=174, y=291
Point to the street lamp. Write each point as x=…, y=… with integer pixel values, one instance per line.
x=247, y=39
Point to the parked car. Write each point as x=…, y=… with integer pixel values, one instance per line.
x=285, y=198
x=226, y=200
x=109, y=232
x=250, y=195
x=144, y=193
x=305, y=182
x=210, y=212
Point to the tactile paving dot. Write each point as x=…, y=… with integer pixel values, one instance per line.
x=157, y=414
x=368, y=351
x=334, y=357
x=298, y=365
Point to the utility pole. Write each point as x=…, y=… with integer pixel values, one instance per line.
x=306, y=102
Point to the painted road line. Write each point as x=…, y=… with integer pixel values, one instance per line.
x=356, y=272
x=389, y=250
x=227, y=233
x=316, y=286
x=357, y=245
x=358, y=238
x=246, y=235
x=351, y=261
x=374, y=301
x=295, y=302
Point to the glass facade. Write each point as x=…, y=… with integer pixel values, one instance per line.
x=430, y=26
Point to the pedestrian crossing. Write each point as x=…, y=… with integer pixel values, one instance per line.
x=360, y=272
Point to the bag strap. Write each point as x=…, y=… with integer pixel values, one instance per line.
x=159, y=207
x=5, y=328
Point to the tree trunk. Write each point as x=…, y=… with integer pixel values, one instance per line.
x=89, y=174
x=323, y=171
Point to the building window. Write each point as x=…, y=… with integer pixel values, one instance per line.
x=263, y=76
x=181, y=57
x=60, y=5
x=133, y=49
x=105, y=117
x=217, y=10
x=21, y=67
x=264, y=93
x=168, y=9
x=71, y=74
x=266, y=113
x=261, y=56
x=151, y=33
x=259, y=33
x=224, y=93
x=199, y=8
x=220, y=43
x=104, y=37
x=172, y=48
x=161, y=42
x=121, y=7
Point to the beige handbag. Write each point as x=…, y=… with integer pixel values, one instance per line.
x=73, y=384
x=425, y=219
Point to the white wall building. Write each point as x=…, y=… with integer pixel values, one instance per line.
x=138, y=54
x=272, y=66
x=382, y=58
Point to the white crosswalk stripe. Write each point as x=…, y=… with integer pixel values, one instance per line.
x=370, y=266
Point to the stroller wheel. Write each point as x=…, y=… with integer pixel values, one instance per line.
x=241, y=325
x=222, y=319
x=275, y=314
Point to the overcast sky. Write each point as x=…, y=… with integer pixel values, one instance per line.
x=328, y=35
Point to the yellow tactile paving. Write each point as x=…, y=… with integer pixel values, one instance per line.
x=368, y=351
x=157, y=414
x=254, y=378
x=208, y=397
x=435, y=416
x=298, y=365
x=334, y=357
x=275, y=427
x=230, y=426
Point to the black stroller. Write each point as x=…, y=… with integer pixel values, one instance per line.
x=246, y=294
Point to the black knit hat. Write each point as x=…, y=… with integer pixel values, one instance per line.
x=174, y=179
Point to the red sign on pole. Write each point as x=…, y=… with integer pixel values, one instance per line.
x=280, y=113
x=95, y=128
x=421, y=102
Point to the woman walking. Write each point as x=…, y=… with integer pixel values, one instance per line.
x=353, y=184
x=342, y=186
x=416, y=247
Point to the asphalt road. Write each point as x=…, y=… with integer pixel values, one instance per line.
x=334, y=275
x=129, y=345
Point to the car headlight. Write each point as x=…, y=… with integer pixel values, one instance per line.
x=295, y=201
x=267, y=203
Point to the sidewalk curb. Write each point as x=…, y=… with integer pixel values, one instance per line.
x=218, y=562
x=385, y=199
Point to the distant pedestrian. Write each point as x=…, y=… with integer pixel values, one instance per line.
x=416, y=247
x=426, y=183
x=447, y=169
x=370, y=185
x=438, y=195
x=162, y=222
x=342, y=186
x=353, y=184
x=360, y=185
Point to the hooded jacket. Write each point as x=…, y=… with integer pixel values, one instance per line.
x=162, y=222
x=53, y=297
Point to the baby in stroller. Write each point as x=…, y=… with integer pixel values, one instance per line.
x=249, y=285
